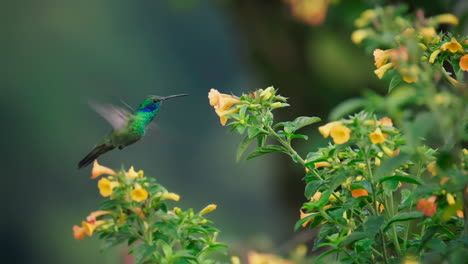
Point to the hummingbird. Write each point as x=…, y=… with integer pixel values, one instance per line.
x=128, y=127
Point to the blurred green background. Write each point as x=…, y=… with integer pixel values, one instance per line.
x=59, y=54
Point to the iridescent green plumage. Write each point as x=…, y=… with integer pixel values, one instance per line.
x=128, y=127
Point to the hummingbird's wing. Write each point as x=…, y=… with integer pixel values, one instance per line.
x=116, y=116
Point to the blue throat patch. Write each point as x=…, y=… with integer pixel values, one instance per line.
x=150, y=108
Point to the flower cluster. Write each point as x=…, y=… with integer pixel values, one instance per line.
x=136, y=210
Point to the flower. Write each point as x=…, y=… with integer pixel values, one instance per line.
x=222, y=103
x=431, y=167
x=446, y=19
x=464, y=62
x=138, y=211
x=356, y=193
x=132, y=174
x=377, y=162
x=444, y=180
x=427, y=206
x=388, y=151
x=428, y=33
x=340, y=134
x=377, y=136
x=106, y=186
x=385, y=121
x=304, y=215
x=312, y=12
x=434, y=56
x=381, y=71
x=381, y=57
x=91, y=218
x=90, y=227
x=316, y=196
x=325, y=129
x=79, y=232
x=99, y=170
x=450, y=199
x=208, y=209
x=258, y=258
x=453, y=46
x=170, y=196
x=380, y=206
x=139, y=194
x=460, y=214
x=359, y=35
x=222, y=114
x=365, y=18
x=321, y=164
x=267, y=93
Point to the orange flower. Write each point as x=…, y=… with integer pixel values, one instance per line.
x=464, y=62
x=385, y=121
x=431, y=167
x=91, y=218
x=304, y=215
x=453, y=46
x=359, y=192
x=99, y=170
x=316, y=196
x=138, y=211
x=222, y=103
x=312, y=12
x=340, y=134
x=90, y=227
x=79, y=232
x=444, y=180
x=427, y=206
x=377, y=136
x=460, y=214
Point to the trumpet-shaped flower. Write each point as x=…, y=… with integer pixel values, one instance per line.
x=377, y=136
x=385, y=121
x=132, y=174
x=464, y=62
x=427, y=206
x=431, y=167
x=460, y=214
x=222, y=114
x=434, y=56
x=321, y=164
x=90, y=227
x=91, y=218
x=208, y=209
x=325, y=129
x=340, y=134
x=365, y=18
x=381, y=71
x=428, y=33
x=170, y=196
x=221, y=101
x=304, y=215
x=139, y=194
x=356, y=193
x=79, y=232
x=316, y=196
x=360, y=34
x=99, y=170
x=446, y=19
x=381, y=57
x=450, y=199
x=312, y=12
x=453, y=46
x=106, y=186
x=258, y=258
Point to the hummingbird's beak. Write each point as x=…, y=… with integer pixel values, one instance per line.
x=173, y=96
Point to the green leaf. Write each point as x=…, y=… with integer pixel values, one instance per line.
x=329, y=252
x=253, y=132
x=243, y=147
x=355, y=236
x=303, y=121
x=142, y=252
x=312, y=187
x=304, y=137
x=347, y=107
x=399, y=178
x=372, y=225
x=389, y=165
x=303, y=220
x=396, y=80
x=401, y=217
x=265, y=150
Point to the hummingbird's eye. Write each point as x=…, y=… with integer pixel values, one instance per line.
x=155, y=100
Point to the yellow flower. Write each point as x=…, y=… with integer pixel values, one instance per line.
x=446, y=19
x=222, y=114
x=304, y=215
x=365, y=18
x=79, y=232
x=381, y=57
x=453, y=46
x=312, y=12
x=106, y=186
x=131, y=173
x=316, y=196
x=385, y=121
x=90, y=227
x=377, y=162
x=434, y=56
x=381, y=71
x=139, y=194
x=221, y=101
x=91, y=218
x=170, y=196
x=322, y=164
x=340, y=134
x=377, y=136
x=235, y=260
x=258, y=258
x=356, y=193
x=99, y=170
x=359, y=35
x=428, y=33
x=380, y=206
x=325, y=129
x=464, y=62
x=450, y=199
x=359, y=178
x=431, y=167
x=208, y=209
x=267, y=93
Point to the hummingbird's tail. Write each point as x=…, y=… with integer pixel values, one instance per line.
x=96, y=152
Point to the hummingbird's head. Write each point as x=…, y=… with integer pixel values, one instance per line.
x=152, y=103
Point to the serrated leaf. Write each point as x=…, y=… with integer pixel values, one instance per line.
x=396, y=80
x=243, y=147
x=405, y=216
x=303, y=121
x=265, y=150
x=347, y=107
x=399, y=178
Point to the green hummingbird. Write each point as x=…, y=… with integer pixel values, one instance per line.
x=128, y=127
